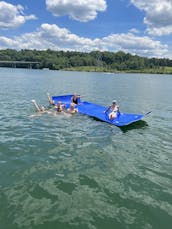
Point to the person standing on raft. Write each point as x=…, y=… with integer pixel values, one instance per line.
x=75, y=98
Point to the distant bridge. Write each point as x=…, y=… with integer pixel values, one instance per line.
x=14, y=64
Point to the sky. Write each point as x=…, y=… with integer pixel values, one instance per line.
x=139, y=27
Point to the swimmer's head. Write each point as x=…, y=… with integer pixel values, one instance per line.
x=59, y=103
x=72, y=105
x=114, y=102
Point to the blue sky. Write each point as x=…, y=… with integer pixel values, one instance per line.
x=142, y=27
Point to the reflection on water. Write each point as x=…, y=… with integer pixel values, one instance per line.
x=136, y=125
x=73, y=172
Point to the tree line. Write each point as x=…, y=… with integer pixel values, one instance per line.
x=95, y=60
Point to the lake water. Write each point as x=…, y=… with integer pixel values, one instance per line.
x=59, y=171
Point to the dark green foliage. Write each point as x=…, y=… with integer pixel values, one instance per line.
x=96, y=60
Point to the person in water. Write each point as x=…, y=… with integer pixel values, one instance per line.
x=72, y=109
x=113, y=110
x=37, y=107
x=51, y=102
x=75, y=98
x=60, y=107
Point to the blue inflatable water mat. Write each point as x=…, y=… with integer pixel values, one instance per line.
x=98, y=111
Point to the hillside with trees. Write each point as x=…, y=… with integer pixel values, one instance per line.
x=93, y=61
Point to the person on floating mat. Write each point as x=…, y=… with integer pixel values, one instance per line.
x=75, y=98
x=113, y=110
x=60, y=107
x=72, y=109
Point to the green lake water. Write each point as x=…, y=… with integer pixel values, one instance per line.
x=60, y=171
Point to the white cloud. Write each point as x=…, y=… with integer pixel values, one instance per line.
x=133, y=30
x=7, y=42
x=56, y=38
x=12, y=16
x=144, y=46
x=158, y=15
x=81, y=10
x=166, y=30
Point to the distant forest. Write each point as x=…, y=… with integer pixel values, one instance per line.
x=93, y=61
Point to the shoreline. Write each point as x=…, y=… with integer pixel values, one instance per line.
x=162, y=70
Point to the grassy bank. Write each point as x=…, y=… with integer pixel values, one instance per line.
x=157, y=70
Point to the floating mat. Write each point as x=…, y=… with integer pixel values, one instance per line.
x=98, y=111
x=63, y=98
